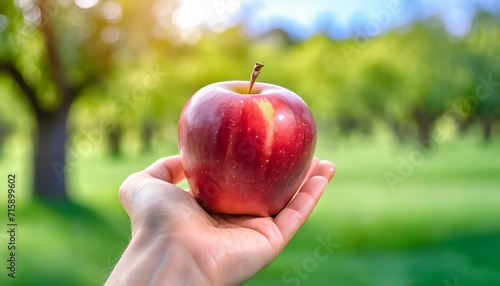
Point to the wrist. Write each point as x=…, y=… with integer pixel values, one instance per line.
x=155, y=259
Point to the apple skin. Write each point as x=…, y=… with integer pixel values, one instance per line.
x=245, y=153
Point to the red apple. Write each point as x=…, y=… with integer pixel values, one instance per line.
x=245, y=153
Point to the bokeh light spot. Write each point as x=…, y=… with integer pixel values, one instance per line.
x=4, y=22
x=86, y=4
x=110, y=34
x=111, y=11
x=32, y=15
x=24, y=4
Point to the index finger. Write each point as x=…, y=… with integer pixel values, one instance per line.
x=293, y=216
x=168, y=169
x=141, y=191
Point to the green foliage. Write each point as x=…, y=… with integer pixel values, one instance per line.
x=400, y=79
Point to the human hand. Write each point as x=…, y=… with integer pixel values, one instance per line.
x=175, y=242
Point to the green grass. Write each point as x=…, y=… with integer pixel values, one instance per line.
x=438, y=226
x=441, y=224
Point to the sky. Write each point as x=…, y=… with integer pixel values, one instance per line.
x=338, y=19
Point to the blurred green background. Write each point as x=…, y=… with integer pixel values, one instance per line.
x=406, y=95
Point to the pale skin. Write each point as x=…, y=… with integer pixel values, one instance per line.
x=175, y=242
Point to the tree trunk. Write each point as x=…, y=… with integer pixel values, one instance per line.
x=463, y=125
x=4, y=134
x=425, y=124
x=147, y=136
x=347, y=124
x=487, y=124
x=424, y=134
x=114, y=139
x=50, y=155
x=398, y=130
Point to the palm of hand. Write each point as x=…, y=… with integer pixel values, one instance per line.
x=227, y=248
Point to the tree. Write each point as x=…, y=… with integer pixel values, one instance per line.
x=415, y=82
x=50, y=118
x=483, y=100
x=55, y=53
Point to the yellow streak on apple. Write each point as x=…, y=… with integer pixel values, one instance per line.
x=268, y=111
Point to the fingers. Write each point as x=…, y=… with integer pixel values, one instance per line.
x=314, y=164
x=168, y=169
x=296, y=213
x=142, y=190
x=324, y=169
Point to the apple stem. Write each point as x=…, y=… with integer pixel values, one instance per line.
x=253, y=76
